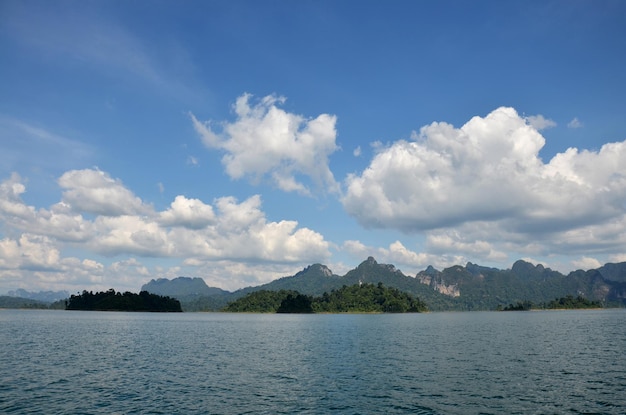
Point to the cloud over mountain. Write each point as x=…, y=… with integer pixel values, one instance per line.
x=486, y=182
x=100, y=215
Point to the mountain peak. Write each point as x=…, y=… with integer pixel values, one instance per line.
x=371, y=261
x=181, y=287
x=316, y=268
x=430, y=270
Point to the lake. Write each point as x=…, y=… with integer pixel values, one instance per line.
x=549, y=362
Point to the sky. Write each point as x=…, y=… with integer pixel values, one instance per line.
x=241, y=141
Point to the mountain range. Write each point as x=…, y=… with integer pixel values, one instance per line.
x=42, y=296
x=469, y=287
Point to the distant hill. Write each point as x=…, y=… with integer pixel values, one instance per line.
x=43, y=296
x=184, y=287
x=614, y=272
x=481, y=288
x=314, y=280
x=469, y=287
x=7, y=301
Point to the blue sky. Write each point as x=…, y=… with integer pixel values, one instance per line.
x=241, y=141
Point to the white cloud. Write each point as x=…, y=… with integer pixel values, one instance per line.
x=617, y=258
x=575, y=123
x=587, y=263
x=357, y=151
x=266, y=142
x=444, y=241
x=191, y=213
x=94, y=191
x=128, y=234
x=30, y=252
x=448, y=176
x=10, y=198
x=232, y=275
x=408, y=261
x=539, y=122
x=487, y=175
x=199, y=235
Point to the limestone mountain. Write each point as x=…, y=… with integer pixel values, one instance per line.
x=469, y=287
x=182, y=287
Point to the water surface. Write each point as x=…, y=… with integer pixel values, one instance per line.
x=73, y=362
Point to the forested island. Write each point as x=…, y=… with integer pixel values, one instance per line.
x=358, y=298
x=568, y=302
x=116, y=301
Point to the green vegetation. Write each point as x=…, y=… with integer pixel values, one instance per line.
x=459, y=288
x=112, y=301
x=519, y=306
x=569, y=302
x=263, y=301
x=358, y=298
x=296, y=303
x=368, y=298
x=17, y=302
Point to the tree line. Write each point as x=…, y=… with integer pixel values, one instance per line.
x=358, y=298
x=563, y=303
x=117, y=301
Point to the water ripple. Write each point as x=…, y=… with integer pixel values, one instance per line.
x=440, y=363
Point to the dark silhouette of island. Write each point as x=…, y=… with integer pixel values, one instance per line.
x=116, y=301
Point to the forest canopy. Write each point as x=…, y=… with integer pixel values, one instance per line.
x=116, y=301
x=358, y=298
x=563, y=303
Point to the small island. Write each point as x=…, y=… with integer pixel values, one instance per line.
x=358, y=298
x=116, y=301
x=568, y=302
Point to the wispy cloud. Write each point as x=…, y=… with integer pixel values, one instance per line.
x=25, y=144
x=575, y=123
x=85, y=35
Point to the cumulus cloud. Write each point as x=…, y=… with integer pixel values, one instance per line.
x=443, y=241
x=29, y=252
x=197, y=233
x=94, y=191
x=191, y=213
x=587, y=263
x=410, y=262
x=241, y=232
x=488, y=175
x=10, y=198
x=267, y=142
x=188, y=228
x=447, y=176
x=539, y=122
